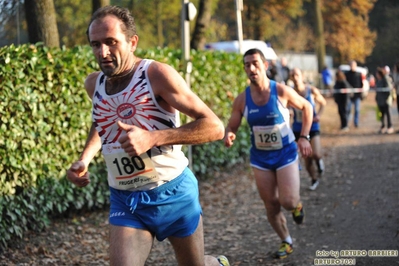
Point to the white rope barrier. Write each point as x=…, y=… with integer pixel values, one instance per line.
x=354, y=90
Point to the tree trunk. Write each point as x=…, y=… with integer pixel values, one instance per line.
x=203, y=21
x=42, y=22
x=131, y=5
x=96, y=4
x=158, y=12
x=320, y=45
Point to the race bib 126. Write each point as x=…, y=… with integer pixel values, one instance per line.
x=267, y=137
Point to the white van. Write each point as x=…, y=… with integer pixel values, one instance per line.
x=233, y=47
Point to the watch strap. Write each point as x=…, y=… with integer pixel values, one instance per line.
x=305, y=137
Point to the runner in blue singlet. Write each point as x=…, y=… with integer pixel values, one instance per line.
x=274, y=153
x=313, y=95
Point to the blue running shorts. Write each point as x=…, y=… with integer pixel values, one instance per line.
x=274, y=160
x=172, y=209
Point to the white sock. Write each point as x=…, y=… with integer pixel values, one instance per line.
x=288, y=239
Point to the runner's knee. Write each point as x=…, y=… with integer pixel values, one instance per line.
x=289, y=202
x=273, y=206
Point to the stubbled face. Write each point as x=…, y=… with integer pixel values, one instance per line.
x=255, y=68
x=296, y=76
x=110, y=47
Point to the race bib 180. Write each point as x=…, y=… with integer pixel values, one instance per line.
x=126, y=172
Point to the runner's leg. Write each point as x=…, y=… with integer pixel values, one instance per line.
x=129, y=246
x=316, y=147
x=288, y=183
x=267, y=188
x=190, y=250
x=309, y=164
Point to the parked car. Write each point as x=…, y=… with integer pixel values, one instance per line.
x=233, y=47
x=363, y=71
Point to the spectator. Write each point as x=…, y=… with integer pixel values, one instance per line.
x=342, y=99
x=327, y=79
x=273, y=73
x=284, y=70
x=384, y=99
x=387, y=70
x=355, y=80
x=395, y=77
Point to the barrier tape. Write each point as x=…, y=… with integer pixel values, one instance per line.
x=353, y=90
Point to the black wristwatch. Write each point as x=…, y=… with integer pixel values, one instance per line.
x=305, y=137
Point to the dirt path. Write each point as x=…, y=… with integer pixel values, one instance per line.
x=356, y=207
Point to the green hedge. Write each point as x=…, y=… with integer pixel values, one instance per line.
x=45, y=117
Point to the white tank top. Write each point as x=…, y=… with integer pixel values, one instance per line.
x=135, y=105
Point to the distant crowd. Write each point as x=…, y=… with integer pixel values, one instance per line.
x=349, y=85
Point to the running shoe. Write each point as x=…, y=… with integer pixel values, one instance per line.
x=284, y=250
x=320, y=166
x=390, y=130
x=314, y=185
x=223, y=260
x=298, y=214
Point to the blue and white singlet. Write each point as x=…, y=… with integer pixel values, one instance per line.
x=297, y=124
x=269, y=124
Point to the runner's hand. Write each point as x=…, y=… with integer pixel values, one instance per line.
x=304, y=147
x=136, y=141
x=229, y=139
x=78, y=174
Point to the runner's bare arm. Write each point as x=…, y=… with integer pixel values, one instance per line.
x=320, y=103
x=291, y=98
x=172, y=88
x=90, y=83
x=172, y=94
x=93, y=142
x=78, y=172
x=235, y=120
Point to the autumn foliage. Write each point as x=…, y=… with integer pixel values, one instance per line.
x=290, y=25
x=346, y=27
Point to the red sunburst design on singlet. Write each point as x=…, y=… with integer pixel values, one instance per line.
x=134, y=106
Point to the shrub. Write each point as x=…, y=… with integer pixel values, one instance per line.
x=45, y=117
